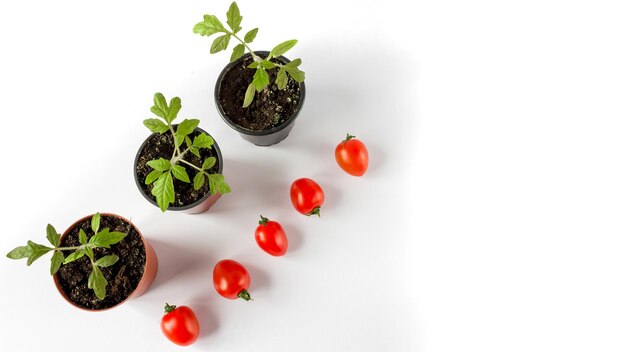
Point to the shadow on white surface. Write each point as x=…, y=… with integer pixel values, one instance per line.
x=254, y=183
x=259, y=279
x=177, y=262
x=206, y=316
x=294, y=238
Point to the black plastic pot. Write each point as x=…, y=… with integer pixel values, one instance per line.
x=265, y=137
x=201, y=205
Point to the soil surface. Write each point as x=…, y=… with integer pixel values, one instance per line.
x=123, y=277
x=270, y=107
x=162, y=146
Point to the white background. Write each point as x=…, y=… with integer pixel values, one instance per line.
x=491, y=219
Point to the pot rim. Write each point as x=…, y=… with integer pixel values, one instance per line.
x=141, y=281
x=219, y=161
x=223, y=115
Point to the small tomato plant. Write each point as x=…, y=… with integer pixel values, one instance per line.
x=211, y=25
x=100, y=239
x=166, y=170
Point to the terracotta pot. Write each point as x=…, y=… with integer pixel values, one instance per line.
x=262, y=138
x=201, y=205
x=149, y=272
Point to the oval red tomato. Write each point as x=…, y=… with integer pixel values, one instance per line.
x=180, y=325
x=307, y=196
x=271, y=237
x=231, y=280
x=351, y=155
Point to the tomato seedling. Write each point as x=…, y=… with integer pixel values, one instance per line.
x=351, y=155
x=271, y=237
x=307, y=196
x=100, y=239
x=211, y=25
x=165, y=171
x=180, y=325
x=231, y=280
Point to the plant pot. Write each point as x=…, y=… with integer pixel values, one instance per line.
x=230, y=90
x=202, y=199
x=71, y=280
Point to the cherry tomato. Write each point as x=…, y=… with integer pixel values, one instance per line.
x=231, y=280
x=351, y=155
x=307, y=196
x=271, y=237
x=180, y=325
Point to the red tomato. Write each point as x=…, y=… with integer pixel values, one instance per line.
x=180, y=325
x=271, y=237
x=307, y=196
x=231, y=280
x=351, y=155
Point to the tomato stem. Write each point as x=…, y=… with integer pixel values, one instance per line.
x=168, y=308
x=244, y=294
x=348, y=137
x=315, y=211
x=263, y=220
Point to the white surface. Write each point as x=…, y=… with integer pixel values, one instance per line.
x=491, y=219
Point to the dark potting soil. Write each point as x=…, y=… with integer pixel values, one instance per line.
x=162, y=146
x=270, y=107
x=123, y=277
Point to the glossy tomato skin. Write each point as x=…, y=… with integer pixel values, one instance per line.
x=351, y=155
x=180, y=325
x=271, y=237
x=306, y=196
x=231, y=280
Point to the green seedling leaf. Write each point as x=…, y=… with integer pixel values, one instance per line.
x=195, y=151
x=155, y=125
x=95, y=222
x=220, y=43
x=186, y=127
x=89, y=253
x=74, y=256
x=160, y=164
x=82, y=237
x=97, y=282
x=250, y=35
x=233, y=17
x=294, y=63
x=106, y=239
x=295, y=73
x=203, y=140
x=188, y=142
x=198, y=180
x=254, y=65
x=218, y=185
x=247, y=100
x=282, y=48
x=107, y=261
x=20, y=252
x=208, y=163
x=260, y=79
x=163, y=190
x=152, y=176
x=160, y=106
x=268, y=64
x=53, y=237
x=56, y=262
x=281, y=78
x=180, y=173
x=37, y=250
x=172, y=113
x=209, y=26
x=238, y=51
